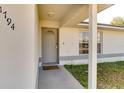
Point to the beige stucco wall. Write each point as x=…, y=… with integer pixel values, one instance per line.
x=37, y=45
x=18, y=48
x=68, y=41
x=113, y=42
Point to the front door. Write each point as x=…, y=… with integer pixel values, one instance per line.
x=49, y=45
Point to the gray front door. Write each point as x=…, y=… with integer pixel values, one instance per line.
x=49, y=45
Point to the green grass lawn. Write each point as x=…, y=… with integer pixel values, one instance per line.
x=110, y=75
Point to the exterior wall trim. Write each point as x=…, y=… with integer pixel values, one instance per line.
x=85, y=56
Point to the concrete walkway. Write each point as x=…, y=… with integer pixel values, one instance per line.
x=57, y=79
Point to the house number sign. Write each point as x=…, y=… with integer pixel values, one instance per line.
x=8, y=20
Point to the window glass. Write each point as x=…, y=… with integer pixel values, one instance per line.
x=83, y=45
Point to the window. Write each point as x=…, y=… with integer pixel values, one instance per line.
x=83, y=43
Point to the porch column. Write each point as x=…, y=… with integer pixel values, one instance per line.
x=92, y=66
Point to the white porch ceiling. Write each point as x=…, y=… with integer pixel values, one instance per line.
x=59, y=9
x=66, y=14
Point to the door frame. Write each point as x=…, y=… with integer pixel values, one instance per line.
x=57, y=43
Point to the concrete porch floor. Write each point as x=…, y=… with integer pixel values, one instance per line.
x=57, y=79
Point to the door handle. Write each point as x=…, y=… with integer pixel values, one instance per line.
x=56, y=45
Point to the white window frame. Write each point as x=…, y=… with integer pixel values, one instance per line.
x=101, y=41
